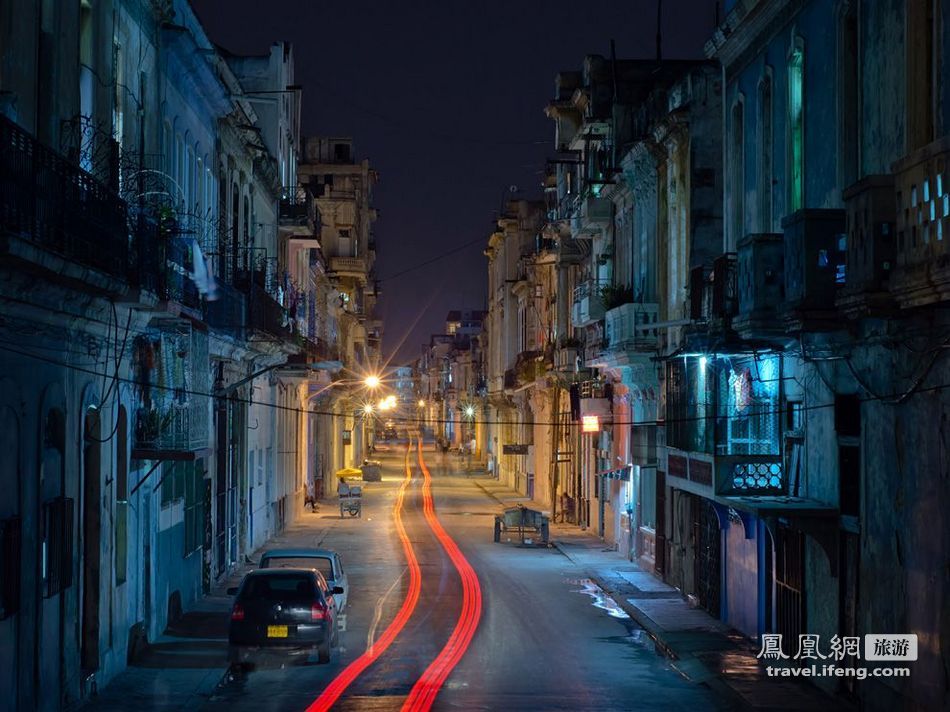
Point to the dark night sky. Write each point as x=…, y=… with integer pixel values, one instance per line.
x=445, y=99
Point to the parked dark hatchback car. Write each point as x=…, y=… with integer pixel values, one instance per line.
x=282, y=610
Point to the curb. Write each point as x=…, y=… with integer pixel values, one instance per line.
x=712, y=679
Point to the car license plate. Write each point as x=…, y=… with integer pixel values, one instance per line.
x=276, y=631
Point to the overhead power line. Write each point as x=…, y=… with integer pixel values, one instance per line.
x=432, y=260
x=883, y=397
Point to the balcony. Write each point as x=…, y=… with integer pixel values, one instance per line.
x=814, y=268
x=871, y=213
x=297, y=212
x=922, y=270
x=566, y=355
x=47, y=202
x=588, y=306
x=726, y=475
x=570, y=251
x=172, y=375
x=631, y=329
x=163, y=264
x=353, y=267
x=228, y=313
x=590, y=215
x=713, y=295
x=312, y=350
x=595, y=346
x=761, y=286
x=266, y=316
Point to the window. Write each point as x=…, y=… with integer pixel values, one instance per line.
x=341, y=152
x=765, y=151
x=648, y=497
x=9, y=566
x=793, y=415
x=173, y=486
x=738, y=172
x=848, y=415
x=118, y=122
x=121, y=497
x=747, y=421
x=690, y=392
x=318, y=563
x=287, y=587
x=849, y=104
x=849, y=480
x=796, y=128
x=194, y=483
x=57, y=547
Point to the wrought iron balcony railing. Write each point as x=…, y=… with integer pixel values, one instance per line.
x=228, y=313
x=297, y=207
x=56, y=205
x=265, y=314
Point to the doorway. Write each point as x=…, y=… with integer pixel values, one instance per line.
x=91, y=538
x=708, y=574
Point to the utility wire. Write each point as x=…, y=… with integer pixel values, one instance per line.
x=885, y=398
x=431, y=260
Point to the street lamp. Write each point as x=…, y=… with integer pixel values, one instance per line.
x=371, y=381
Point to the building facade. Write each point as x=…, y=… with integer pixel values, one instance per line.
x=168, y=316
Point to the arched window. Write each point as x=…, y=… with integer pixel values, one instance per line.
x=796, y=126
x=848, y=91
x=737, y=172
x=765, y=151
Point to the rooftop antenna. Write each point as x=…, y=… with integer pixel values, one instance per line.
x=659, y=35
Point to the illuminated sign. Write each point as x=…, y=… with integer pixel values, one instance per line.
x=590, y=424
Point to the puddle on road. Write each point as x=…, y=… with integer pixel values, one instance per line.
x=601, y=599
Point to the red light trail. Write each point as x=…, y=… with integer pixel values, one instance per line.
x=339, y=684
x=424, y=692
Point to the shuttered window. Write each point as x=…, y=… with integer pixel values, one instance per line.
x=57, y=522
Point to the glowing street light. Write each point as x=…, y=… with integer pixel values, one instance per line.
x=368, y=409
x=371, y=381
x=422, y=403
x=470, y=411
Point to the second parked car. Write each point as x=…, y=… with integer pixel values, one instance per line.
x=325, y=561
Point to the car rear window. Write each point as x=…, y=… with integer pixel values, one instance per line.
x=320, y=563
x=282, y=587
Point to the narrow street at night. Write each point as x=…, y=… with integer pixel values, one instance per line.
x=544, y=642
x=579, y=356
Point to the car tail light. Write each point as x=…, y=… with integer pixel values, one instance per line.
x=318, y=612
x=237, y=613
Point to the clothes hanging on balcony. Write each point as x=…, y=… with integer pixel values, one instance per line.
x=740, y=386
x=201, y=274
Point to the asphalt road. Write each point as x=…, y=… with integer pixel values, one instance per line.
x=547, y=638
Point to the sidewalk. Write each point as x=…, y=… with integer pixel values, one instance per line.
x=182, y=667
x=700, y=647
